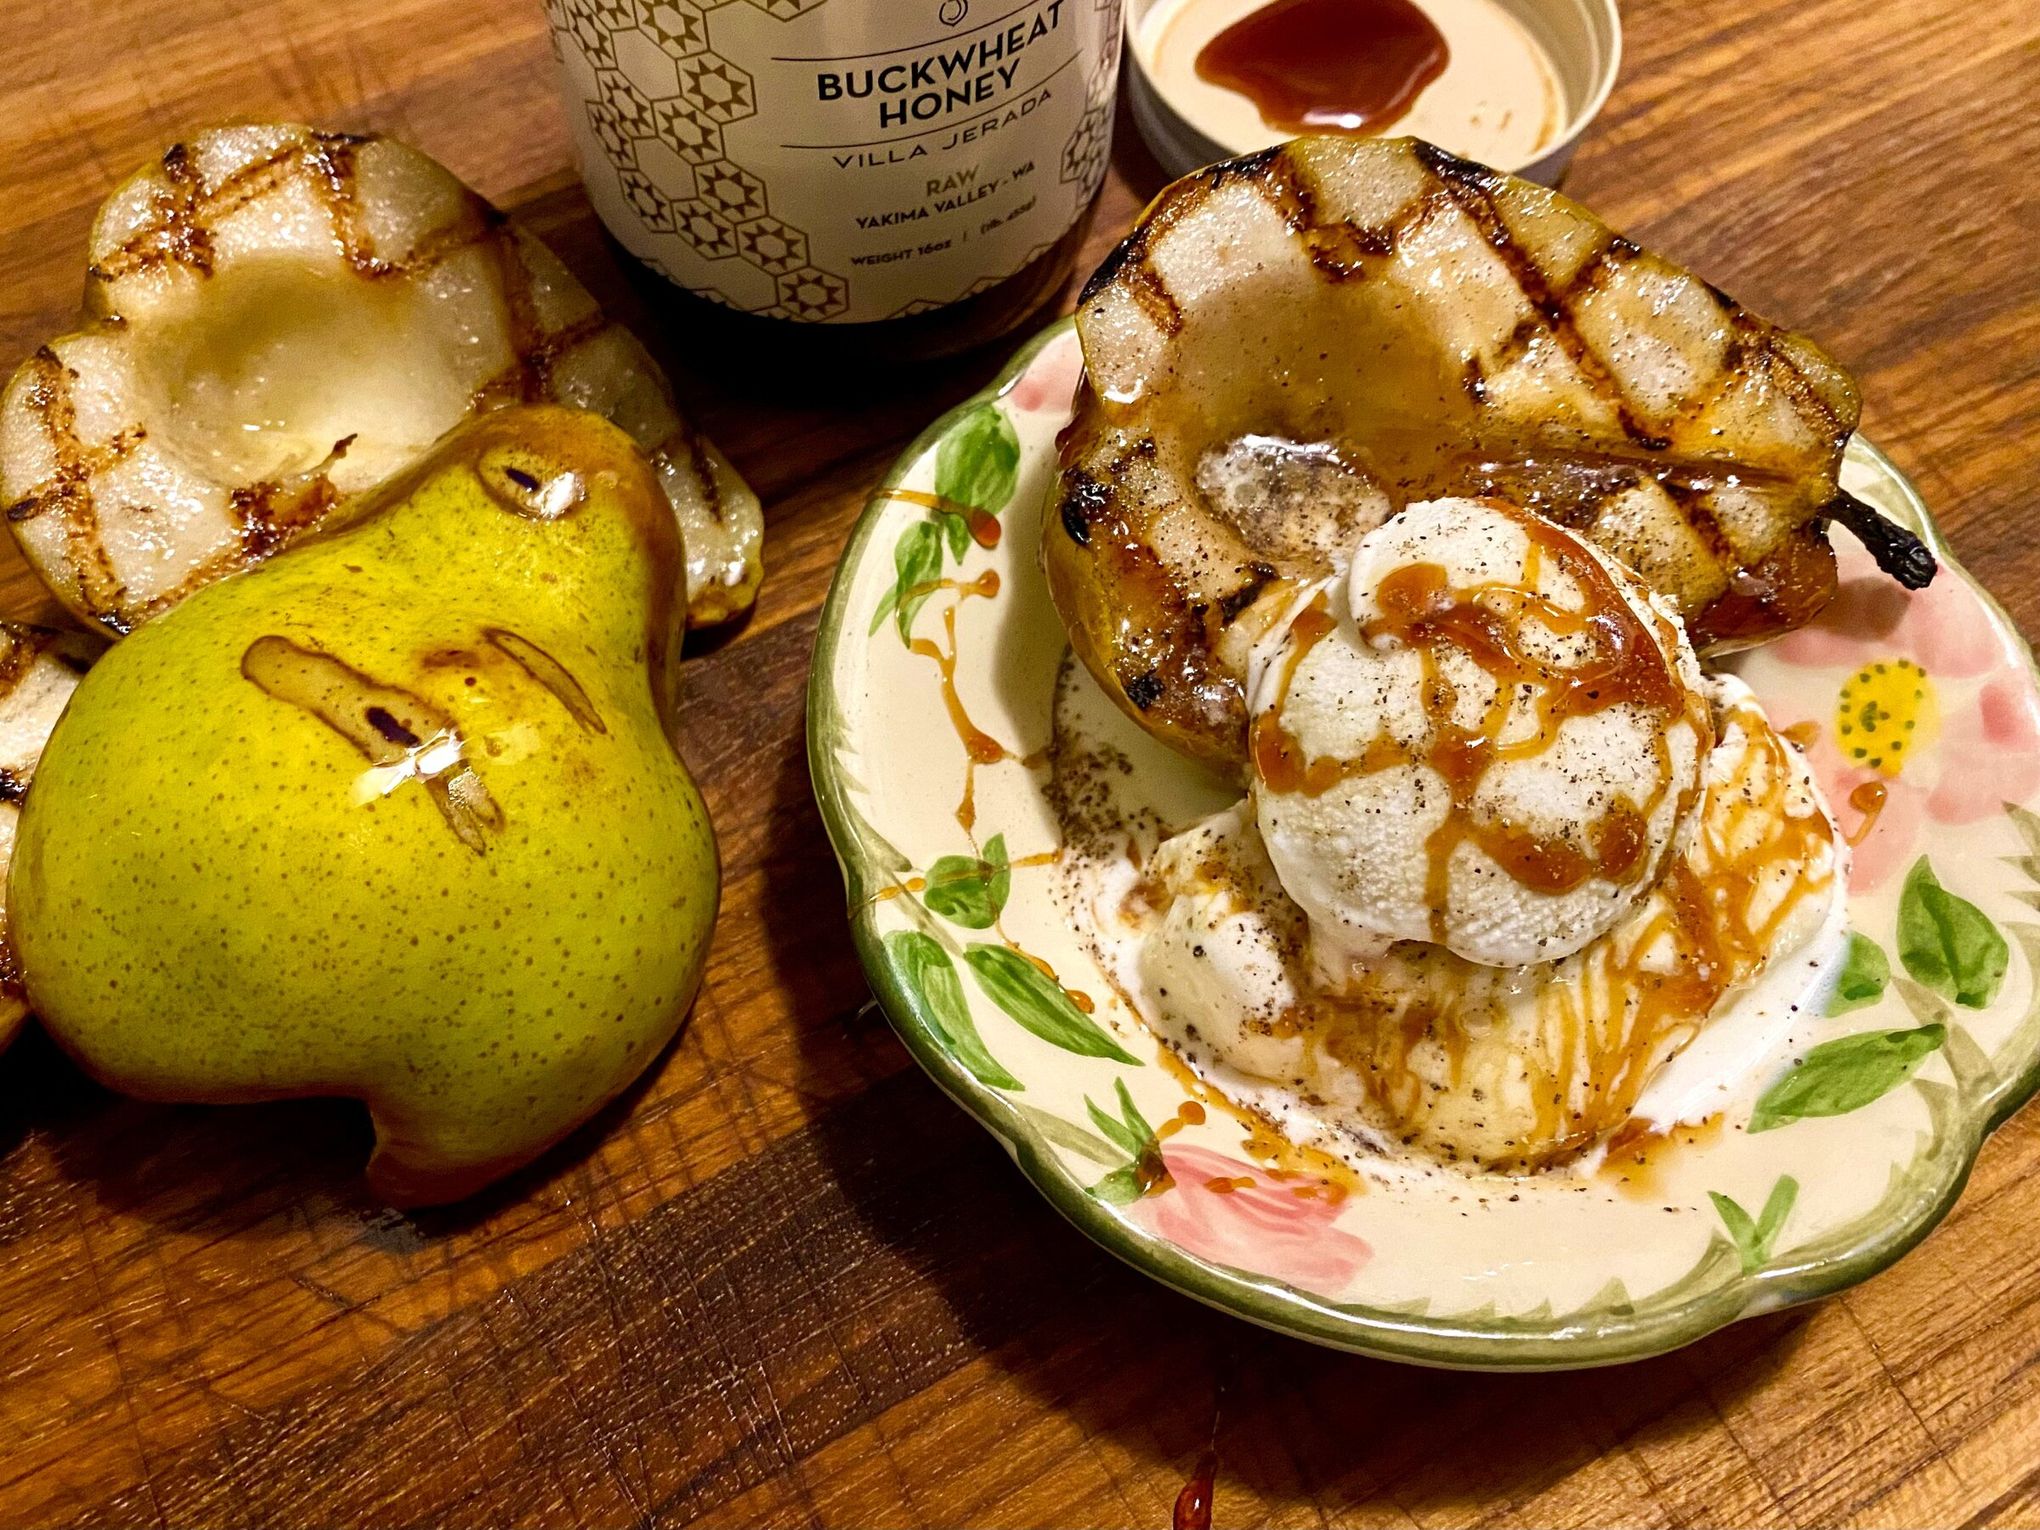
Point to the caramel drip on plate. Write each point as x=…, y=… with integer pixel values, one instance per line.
x=984, y=527
x=1150, y=1171
x=1867, y=798
x=1629, y=662
x=979, y=747
x=1641, y=1152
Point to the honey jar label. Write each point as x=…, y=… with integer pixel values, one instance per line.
x=838, y=161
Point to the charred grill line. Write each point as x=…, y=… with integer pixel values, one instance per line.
x=1084, y=501
x=70, y=488
x=1698, y=513
x=1259, y=575
x=704, y=472
x=183, y=233
x=1133, y=249
x=189, y=238
x=1145, y=283
x=1473, y=195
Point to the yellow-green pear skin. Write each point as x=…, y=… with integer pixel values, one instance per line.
x=395, y=815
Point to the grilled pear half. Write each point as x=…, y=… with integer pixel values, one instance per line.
x=38, y=672
x=1292, y=346
x=276, y=318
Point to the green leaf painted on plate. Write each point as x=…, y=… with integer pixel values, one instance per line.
x=1128, y=1130
x=1113, y=1128
x=885, y=608
x=1130, y=1113
x=956, y=530
x=926, y=968
x=1066, y=1135
x=1846, y=1074
x=978, y=462
x=971, y=890
x=1119, y=1188
x=1754, y=1237
x=1038, y=1004
x=917, y=565
x=1947, y=943
x=1865, y=971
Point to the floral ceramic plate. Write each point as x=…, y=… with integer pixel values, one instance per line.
x=940, y=685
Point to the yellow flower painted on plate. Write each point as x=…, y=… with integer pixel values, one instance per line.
x=1885, y=715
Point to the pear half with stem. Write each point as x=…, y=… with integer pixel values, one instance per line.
x=396, y=816
x=276, y=318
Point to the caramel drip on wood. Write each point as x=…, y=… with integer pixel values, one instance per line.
x=1193, y=1503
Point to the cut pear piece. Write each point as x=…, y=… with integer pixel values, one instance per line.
x=276, y=318
x=1292, y=346
x=396, y=816
x=38, y=672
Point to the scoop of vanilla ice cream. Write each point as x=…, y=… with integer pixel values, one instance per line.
x=1486, y=734
x=1217, y=968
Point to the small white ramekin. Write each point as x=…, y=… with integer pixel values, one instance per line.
x=1582, y=37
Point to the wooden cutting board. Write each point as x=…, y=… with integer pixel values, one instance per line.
x=785, y=1281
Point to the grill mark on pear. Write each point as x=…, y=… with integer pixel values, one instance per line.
x=69, y=490
x=550, y=673
x=390, y=726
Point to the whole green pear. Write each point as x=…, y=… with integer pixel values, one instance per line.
x=395, y=815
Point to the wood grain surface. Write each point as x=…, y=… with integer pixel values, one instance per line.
x=784, y=1281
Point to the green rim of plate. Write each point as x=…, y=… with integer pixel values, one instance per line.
x=1709, y=1297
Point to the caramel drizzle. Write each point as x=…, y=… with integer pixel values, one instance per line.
x=979, y=747
x=918, y=884
x=1311, y=1173
x=1150, y=1171
x=984, y=527
x=1628, y=663
x=1610, y=1016
x=1867, y=798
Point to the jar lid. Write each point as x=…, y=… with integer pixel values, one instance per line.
x=1523, y=80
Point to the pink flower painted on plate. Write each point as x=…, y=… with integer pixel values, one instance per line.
x=1905, y=711
x=1257, y=1222
x=1943, y=628
x=1050, y=381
